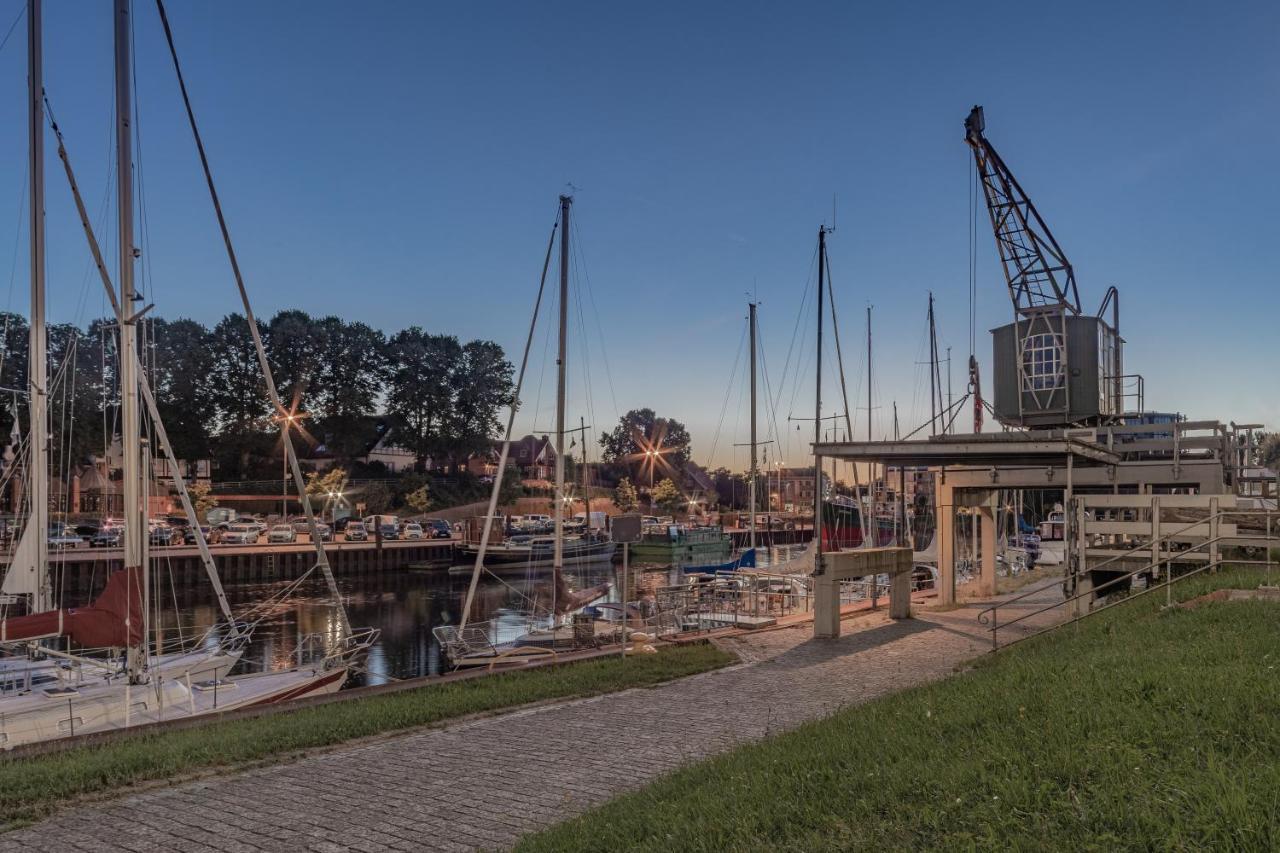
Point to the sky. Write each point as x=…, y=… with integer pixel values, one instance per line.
x=399, y=164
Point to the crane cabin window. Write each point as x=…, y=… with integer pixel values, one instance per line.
x=1042, y=362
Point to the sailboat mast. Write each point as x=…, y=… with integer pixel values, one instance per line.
x=869, y=373
x=586, y=496
x=557, y=563
x=37, y=370
x=933, y=370
x=817, y=408
x=135, y=529
x=751, y=489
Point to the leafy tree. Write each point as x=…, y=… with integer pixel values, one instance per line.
x=13, y=365
x=332, y=481
x=419, y=499
x=667, y=496
x=180, y=365
x=1269, y=451
x=647, y=445
x=420, y=389
x=483, y=383
x=354, y=358
x=75, y=401
x=511, y=487
x=625, y=497
x=296, y=350
x=238, y=396
x=201, y=498
x=376, y=498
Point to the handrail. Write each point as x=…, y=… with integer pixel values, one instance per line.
x=996, y=626
x=982, y=614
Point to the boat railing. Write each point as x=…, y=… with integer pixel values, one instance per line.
x=458, y=643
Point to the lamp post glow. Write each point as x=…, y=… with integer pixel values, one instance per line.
x=286, y=421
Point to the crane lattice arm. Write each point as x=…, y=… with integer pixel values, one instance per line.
x=1036, y=269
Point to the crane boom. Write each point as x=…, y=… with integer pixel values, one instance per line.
x=1036, y=269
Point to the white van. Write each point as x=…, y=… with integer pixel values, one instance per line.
x=372, y=522
x=598, y=520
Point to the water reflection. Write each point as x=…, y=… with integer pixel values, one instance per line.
x=404, y=605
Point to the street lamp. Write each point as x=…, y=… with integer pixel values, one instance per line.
x=286, y=420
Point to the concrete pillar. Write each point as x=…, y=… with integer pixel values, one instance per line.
x=944, y=504
x=900, y=595
x=826, y=609
x=986, y=519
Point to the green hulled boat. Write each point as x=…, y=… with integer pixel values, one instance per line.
x=679, y=545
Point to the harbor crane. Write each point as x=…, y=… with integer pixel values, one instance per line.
x=1054, y=366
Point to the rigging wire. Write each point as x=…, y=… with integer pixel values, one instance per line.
x=604, y=348
x=22, y=10
x=724, y=407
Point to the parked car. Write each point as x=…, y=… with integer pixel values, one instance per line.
x=300, y=524
x=389, y=531
x=211, y=535
x=324, y=531
x=282, y=534
x=64, y=537
x=164, y=536
x=438, y=528
x=107, y=537
x=412, y=530
x=241, y=534
x=356, y=533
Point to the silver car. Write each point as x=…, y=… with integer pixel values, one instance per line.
x=282, y=534
x=240, y=534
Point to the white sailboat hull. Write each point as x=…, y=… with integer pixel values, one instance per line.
x=64, y=708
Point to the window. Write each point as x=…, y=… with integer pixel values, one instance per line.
x=1042, y=362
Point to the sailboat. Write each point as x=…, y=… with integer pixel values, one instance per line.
x=136, y=681
x=467, y=643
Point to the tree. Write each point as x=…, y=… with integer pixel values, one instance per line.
x=201, y=498
x=419, y=499
x=296, y=350
x=13, y=366
x=483, y=382
x=180, y=368
x=667, y=496
x=1269, y=451
x=330, y=482
x=647, y=445
x=355, y=368
x=420, y=389
x=237, y=394
x=75, y=399
x=376, y=497
x=625, y=497
x=511, y=487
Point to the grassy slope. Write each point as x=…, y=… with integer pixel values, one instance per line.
x=1138, y=729
x=32, y=787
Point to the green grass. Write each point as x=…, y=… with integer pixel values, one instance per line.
x=1138, y=730
x=32, y=787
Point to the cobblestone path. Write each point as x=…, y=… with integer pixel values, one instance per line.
x=484, y=783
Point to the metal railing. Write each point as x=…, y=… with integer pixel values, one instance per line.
x=990, y=615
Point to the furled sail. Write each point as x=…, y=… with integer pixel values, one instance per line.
x=113, y=619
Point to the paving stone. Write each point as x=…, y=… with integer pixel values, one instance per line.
x=482, y=784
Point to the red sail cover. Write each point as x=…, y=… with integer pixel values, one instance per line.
x=112, y=619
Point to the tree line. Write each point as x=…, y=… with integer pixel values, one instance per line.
x=441, y=395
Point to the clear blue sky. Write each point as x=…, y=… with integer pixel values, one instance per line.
x=399, y=164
